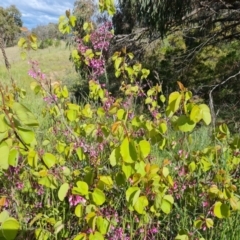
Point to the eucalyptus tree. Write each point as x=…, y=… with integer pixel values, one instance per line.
x=10, y=23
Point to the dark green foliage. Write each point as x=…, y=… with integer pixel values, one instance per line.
x=10, y=23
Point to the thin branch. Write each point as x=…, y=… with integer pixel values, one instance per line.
x=211, y=98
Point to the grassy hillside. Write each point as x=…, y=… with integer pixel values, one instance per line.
x=53, y=61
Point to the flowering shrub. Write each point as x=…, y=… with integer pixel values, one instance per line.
x=100, y=172
x=92, y=48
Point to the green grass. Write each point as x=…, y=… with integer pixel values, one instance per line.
x=53, y=61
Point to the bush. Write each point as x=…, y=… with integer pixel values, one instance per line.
x=105, y=170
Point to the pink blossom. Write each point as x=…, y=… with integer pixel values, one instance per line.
x=75, y=200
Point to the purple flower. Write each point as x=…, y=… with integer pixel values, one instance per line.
x=75, y=200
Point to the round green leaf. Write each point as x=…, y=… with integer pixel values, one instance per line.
x=221, y=210
x=196, y=114
x=96, y=236
x=63, y=190
x=4, y=153
x=4, y=215
x=79, y=210
x=49, y=159
x=102, y=225
x=98, y=196
x=185, y=124
x=145, y=148
x=81, y=236
x=81, y=189
x=166, y=205
x=24, y=115
x=10, y=228
x=27, y=135
x=140, y=204
x=206, y=114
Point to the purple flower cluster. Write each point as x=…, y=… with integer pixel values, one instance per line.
x=108, y=102
x=97, y=66
x=50, y=99
x=99, y=41
x=92, y=150
x=81, y=47
x=35, y=72
x=75, y=200
x=101, y=37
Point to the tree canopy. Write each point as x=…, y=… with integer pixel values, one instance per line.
x=192, y=41
x=10, y=23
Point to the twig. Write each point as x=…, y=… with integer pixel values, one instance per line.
x=211, y=98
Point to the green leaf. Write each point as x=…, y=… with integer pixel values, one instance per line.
x=127, y=169
x=34, y=46
x=221, y=210
x=128, y=151
x=58, y=226
x=120, y=179
x=49, y=159
x=140, y=204
x=48, y=181
x=130, y=55
x=79, y=210
x=167, y=203
x=85, y=26
x=120, y=114
x=165, y=171
x=10, y=228
x=107, y=180
x=33, y=38
x=80, y=154
x=198, y=224
x=206, y=114
x=13, y=158
x=162, y=98
x=173, y=103
x=23, y=55
x=117, y=73
x=96, y=236
x=65, y=93
x=4, y=215
x=63, y=190
x=81, y=236
x=24, y=115
x=91, y=218
x=81, y=189
x=72, y=20
x=209, y=222
x=117, y=63
x=192, y=166
x=98, y=197
x=145, y=73
x=3, y=126
x=102, y=225
x=4, y=153
x=145, y=148
x=71, y=115
x=140, y=168
x=21, y=42
x=196, y=114
x=32, y=158
x=184, y=124
x=132, y=195
x=114, y=156
x=27, y=136
x=182, y=236
x=42, y=234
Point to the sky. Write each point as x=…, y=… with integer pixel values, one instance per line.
x=39, y=12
